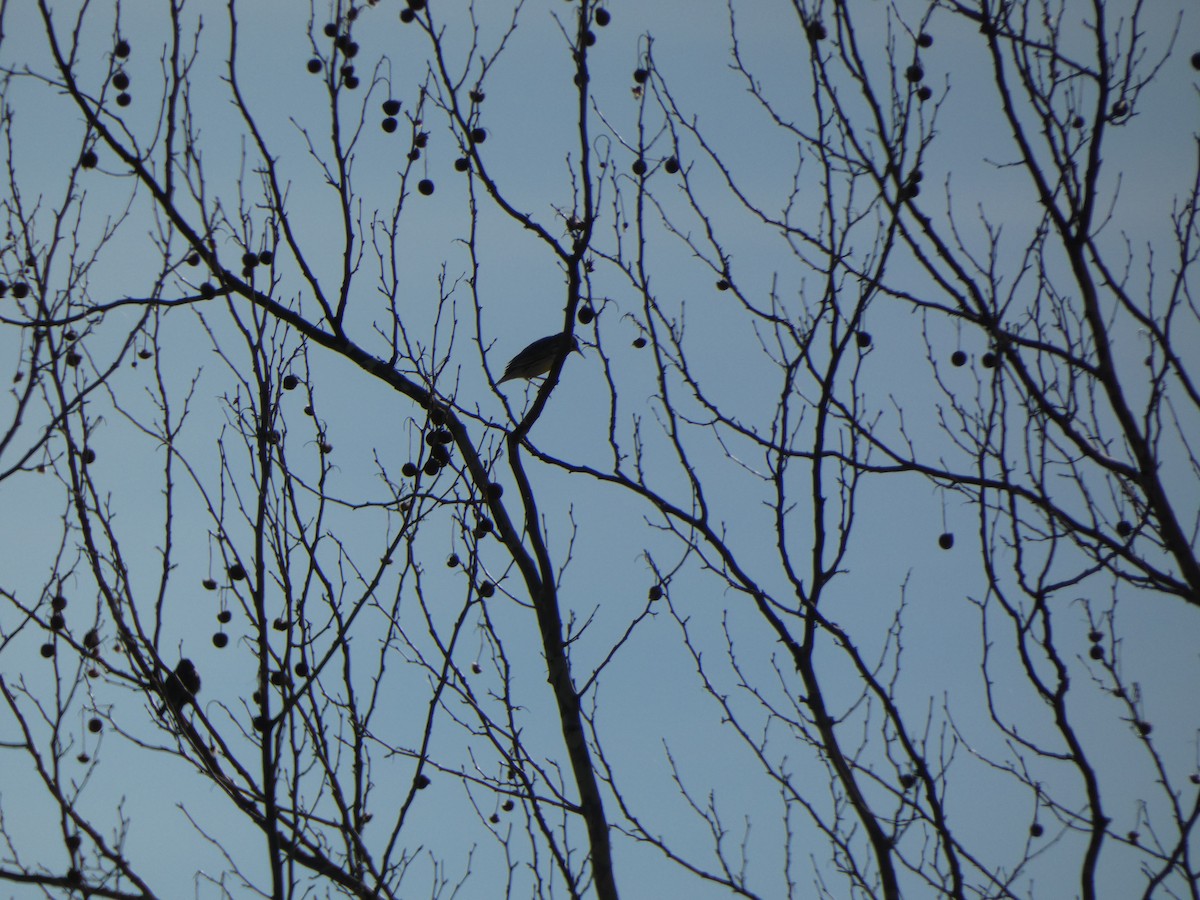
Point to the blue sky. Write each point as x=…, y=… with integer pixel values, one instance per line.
x=649, y=700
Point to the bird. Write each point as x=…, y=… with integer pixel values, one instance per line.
x=181, y=686
x=539, y=357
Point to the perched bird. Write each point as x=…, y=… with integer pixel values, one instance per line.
x=539, y=357
x=181, y=686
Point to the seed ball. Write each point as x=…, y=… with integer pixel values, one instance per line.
x=452, y=561
x=722, y=285
x=958, y=358
x=122, y=49
x=57, y=622
x=89, y=159
x=639, y=342
x=91, y=640
x=1036, y=830
x=302, y=669
x=47, y=650
x=486, y=589
x=207, y=291
x=655, y=592
x=988, y=360
x=1196, y=61
x=290, y=382
x=914, y=73
x=388, y=125
x=1124, y=529
x=95, y=726
x=603, y=18
x=589, y=38
x=422, y=782
x=416, y=4
x=425, y=186
x=946, y=541
x=639, y=167
x=462, y=164
x=431, y=467
x=20, y=290
x=224, y=616
x=863, y=338
x=924, y=92
x=409, y=470
x=817, y=31
x=120, y=80
x=508, y=806
x=478, y=135
x=1143, y=728
x=671, y=165
x=585, y=315
x=494, y=818
x=59, y=603
x=236, y=572
x=88, y=456
x=391, y=107
x=476, y=96
x=1097, y=652
x=123, y=99
x=330, y=29
x=314, y=65
x=407, y=15
x=351, y=82
x=640, y=75
x=495, y=490
x=1095, y=636
x=476, y=668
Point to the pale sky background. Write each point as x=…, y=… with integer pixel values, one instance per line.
x=650, y=697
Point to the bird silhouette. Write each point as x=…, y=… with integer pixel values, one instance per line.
x=181, y=686
x=539, y=357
